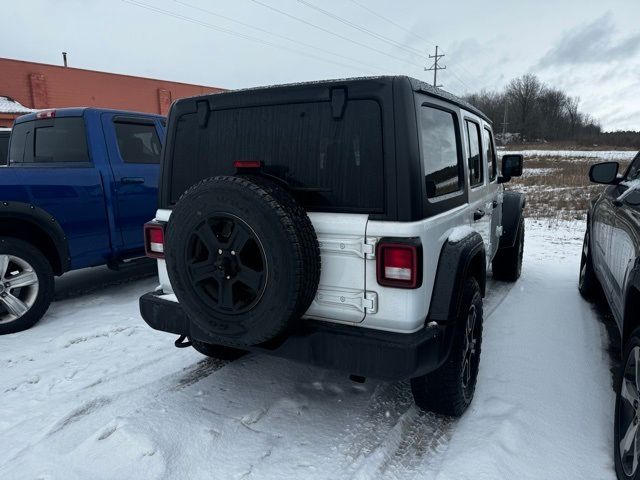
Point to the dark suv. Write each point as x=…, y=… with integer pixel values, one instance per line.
x=348, y=224
x=611, y=264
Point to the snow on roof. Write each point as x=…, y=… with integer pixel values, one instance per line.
x=9, y=105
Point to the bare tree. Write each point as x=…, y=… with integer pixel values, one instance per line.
x=523, y=93
x=571, y=108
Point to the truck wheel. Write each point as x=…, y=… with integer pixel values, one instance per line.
x=449, y=389
x=243, y=258
x=627, y=412
x=26, y=285
x=217, y=351
x=507, y=264
x=588, y=283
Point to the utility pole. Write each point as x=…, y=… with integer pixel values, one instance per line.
x=504, y=120
x=435, y=67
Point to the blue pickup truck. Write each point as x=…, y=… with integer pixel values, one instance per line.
x=78, y=187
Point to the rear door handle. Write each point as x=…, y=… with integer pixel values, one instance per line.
x=132, y=180
x=478, y=214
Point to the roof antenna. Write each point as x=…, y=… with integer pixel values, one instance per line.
x=64, y=58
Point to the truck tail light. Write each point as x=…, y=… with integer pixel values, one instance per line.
x=46, y=114
x=154, y=239
x=399, y=263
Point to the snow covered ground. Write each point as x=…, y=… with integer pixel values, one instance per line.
x=602, y=155
x=92, y=392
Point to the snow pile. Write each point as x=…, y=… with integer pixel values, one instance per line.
x=92, y=392
x=9, y=105
x=460, y=233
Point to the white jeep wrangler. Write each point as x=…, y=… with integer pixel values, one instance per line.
x=348, y=224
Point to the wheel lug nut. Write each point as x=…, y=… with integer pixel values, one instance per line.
x=233, y=252
x=228, y=277
x=219, y=251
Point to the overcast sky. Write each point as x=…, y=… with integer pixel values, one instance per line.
x=590, y=48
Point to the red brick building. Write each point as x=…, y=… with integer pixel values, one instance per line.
x=38, y=86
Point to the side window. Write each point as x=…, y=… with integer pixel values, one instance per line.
x=474, y=158
x=634, y=169
x=4, y=148
x=442, y=166
x=490, y=154
x=138, y=142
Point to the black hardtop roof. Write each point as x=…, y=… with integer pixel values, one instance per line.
x=416, y=85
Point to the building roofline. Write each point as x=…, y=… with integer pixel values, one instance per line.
x=109, y=73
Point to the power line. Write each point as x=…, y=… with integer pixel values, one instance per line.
x=311, y=24
x=231, y=32
x=360, y=28
x=435, y=67
x=293, y=40
x=382, y=17
x=376, y=35
x=410, y=32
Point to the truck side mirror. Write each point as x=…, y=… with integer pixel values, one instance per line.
x=511, y=166
x=606, y=173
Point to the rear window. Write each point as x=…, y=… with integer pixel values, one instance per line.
x=49, y=141
x=329, y=163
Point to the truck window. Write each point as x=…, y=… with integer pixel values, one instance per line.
x=442, y=165
x=49, y=141
x=474, y=159
x=330, y=163
x=490, y=154
x=4, y=148
x=138, y=142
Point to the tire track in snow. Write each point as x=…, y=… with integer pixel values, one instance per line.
x=395, y=439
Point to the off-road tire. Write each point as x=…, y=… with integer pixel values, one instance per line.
x=217, y=351
x=287, y=242
x=588, y=284
x=443, y=390
x=46, y=286
x=507, y=264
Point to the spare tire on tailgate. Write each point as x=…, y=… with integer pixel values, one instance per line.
x=242, y=257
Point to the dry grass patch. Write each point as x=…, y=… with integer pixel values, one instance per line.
x=557, y=187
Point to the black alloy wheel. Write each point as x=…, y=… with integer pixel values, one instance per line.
x=627, y=415
x=226, y=264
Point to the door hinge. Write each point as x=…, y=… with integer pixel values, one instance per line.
x=369, y=247
x=366, y=249
x=370, y=302
x=363, y=301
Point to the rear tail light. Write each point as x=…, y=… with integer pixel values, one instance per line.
x=46, y=114
x=399, y=263
x=154, y=239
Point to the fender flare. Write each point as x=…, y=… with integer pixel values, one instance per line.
x=457, y=261
x=512, y=206
x=43, y=220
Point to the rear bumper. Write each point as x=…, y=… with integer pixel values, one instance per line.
x=353, y=350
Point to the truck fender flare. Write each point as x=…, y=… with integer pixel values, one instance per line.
x=40, y=218
x=512, y=206
x=458, y=260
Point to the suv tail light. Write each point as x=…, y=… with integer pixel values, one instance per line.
x=399, y=263
x=154, y=239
